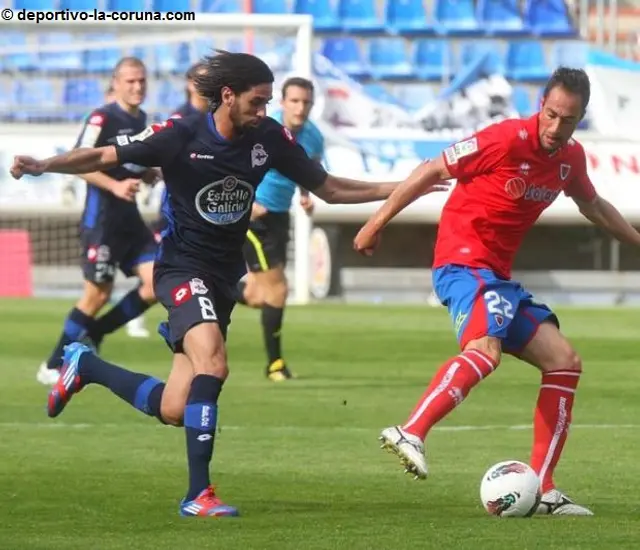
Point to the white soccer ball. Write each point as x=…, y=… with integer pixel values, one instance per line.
x=510, y=489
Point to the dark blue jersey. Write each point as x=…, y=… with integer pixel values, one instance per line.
x=185, y=110
x=101, y=128
x=211, y=183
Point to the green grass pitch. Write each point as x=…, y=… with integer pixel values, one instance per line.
x=301, y=460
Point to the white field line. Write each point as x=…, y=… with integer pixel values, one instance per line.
x=223, y=427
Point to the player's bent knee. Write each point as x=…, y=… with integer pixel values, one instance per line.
x=146, y=293
x=204, y=346
x=488, y=345
x=172, y=413
x=94, y=298
x=569, y=360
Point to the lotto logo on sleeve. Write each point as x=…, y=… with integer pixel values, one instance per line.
x=181, y=294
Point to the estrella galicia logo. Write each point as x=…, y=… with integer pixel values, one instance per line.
x=224, y=201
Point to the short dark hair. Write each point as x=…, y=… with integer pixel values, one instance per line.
x=128, y=61
x=575, y=81
x=298, y=82
x=237, y=71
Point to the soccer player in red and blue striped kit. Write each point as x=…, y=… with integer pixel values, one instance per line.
x=507, y=175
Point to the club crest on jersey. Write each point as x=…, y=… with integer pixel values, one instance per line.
x=224, y=201
x=564, y=171
x=258, y=155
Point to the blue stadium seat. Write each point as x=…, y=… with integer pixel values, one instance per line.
x=35, y=5
x=101, y=59
x=170, y=5
x=456, y=17
x=120, y=5
x=172, y=58
x=345, y=54
x=170, y=94
x=416, y=96
x=526, y=61
x=432, y=59
x=325, y=16
x=270, y=6
x=501, y=17
x=80, y=95
x=472, y=50
x=360, y=16
x=37, y=99
x=572, y=53
x=7, y=101
x=407, y=17
x=548, y=18
x=79, y=5
x=25, y=61
x=221, y=6
x=522, y=101
x=389, y=59
x=70, y=60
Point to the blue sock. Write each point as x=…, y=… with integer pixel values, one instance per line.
x=139, y=390
x=200, y=417
x=128, y=308
x=76, y=327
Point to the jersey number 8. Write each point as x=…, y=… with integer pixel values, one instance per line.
x=498, y=305
x=206, y=309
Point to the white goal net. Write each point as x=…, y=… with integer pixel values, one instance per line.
x=52, y=74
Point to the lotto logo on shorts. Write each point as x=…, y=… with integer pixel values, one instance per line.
x=181, y=294
x=92, y=254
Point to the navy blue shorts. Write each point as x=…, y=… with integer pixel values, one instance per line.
x=482, y=304
x=106, y=249
x=190, y=298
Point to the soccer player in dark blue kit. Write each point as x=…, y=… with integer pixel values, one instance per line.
x=212, y=166
x=113, y=233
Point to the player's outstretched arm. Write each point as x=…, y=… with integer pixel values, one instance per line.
x=427, y=177
x=607, y=217
x=77, y=161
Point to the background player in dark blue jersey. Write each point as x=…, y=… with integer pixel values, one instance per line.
x=113, y=233
x=265, y=250
x=211, y=166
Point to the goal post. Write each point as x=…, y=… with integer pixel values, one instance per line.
x=84, y=48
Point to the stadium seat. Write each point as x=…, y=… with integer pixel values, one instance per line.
x=70, y=60
x=521, y=99
x=35, y=5
x=221, y=6
x=572, y=54
x=432, y=59
x=25, y=61
x=548, y=18
x=360, y=16
x=325, y=15
x=82, y=95
x=407, y=17
x=37, y=100
x=472, y=50
x=389, y=59
x=79, y=5
x=170, y=5
x=172, y=58
x=270, y=6
x=456, y=17
x=168, y=96
x=501, y=17
x=526, y=61
x=125, y=5
x=345, y=54
x=7, y=101
x=101, y=59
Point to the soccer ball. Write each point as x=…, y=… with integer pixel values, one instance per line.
x=510, y=489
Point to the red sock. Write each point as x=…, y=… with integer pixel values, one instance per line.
x=448, y=388
x=551, y=422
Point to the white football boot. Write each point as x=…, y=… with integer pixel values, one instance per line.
x=555, y=503
x=48, y=377
x=409, y=449
x=136, y=328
